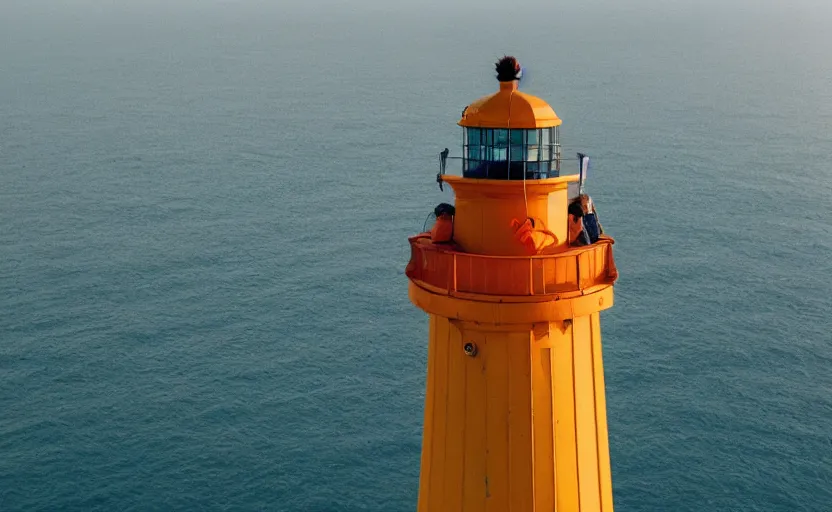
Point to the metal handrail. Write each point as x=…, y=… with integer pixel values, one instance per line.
x=457, y=165
x=500, y=275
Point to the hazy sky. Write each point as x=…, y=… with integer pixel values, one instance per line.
x=809, y=10
x=759, y=23
x=778, y=17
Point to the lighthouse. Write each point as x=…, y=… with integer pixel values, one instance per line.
x=515, y=413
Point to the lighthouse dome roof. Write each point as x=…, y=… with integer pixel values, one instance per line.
x=509, y=108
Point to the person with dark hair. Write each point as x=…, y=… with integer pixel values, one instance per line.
x=443, y=229
x=576, y=232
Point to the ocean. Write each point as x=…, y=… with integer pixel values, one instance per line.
x=204, y=212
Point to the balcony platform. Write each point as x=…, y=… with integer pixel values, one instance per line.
x=443, y=270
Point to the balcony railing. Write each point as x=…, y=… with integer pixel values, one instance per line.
x=440, y=269
x=500, y=170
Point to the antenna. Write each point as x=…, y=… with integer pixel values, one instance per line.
x=443, y=158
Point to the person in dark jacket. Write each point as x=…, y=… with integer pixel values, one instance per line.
x=591, y=225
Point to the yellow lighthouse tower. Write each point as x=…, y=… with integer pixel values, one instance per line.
x=515, y=412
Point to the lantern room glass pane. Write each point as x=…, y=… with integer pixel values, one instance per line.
x=546, y=144
x=546, y=136
x=501, y=137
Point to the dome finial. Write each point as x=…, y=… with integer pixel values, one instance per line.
x=508, y=69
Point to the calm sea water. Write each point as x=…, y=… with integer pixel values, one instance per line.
x=203, y=221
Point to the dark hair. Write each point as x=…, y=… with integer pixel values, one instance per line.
x=576, y=209
x=444, y=208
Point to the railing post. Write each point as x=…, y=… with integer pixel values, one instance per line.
x=454, y=270
x=531, y=276
x=470, y=272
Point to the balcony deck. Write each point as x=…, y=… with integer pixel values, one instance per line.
x=441, y=269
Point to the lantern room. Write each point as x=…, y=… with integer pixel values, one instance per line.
x=510, y=135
